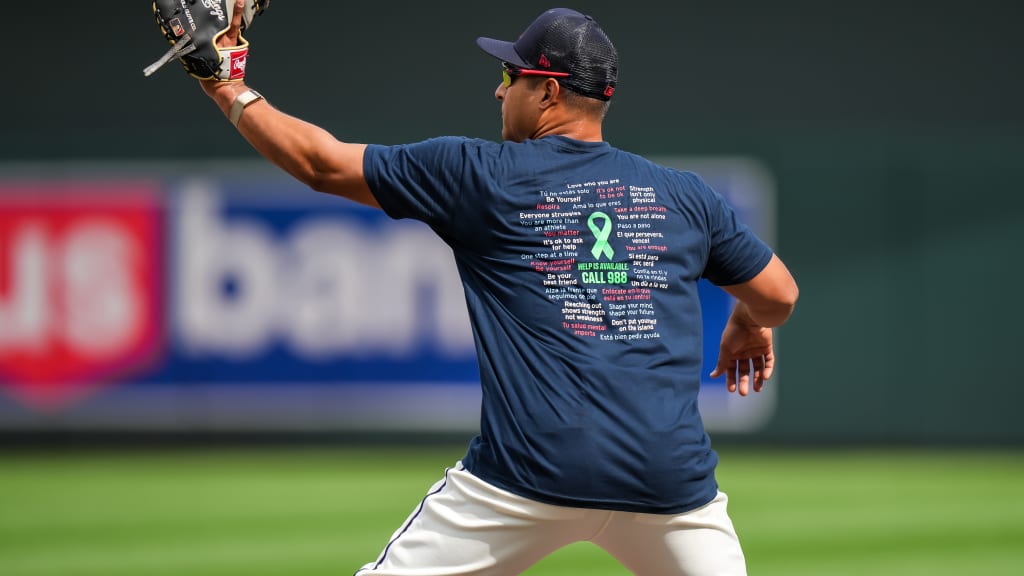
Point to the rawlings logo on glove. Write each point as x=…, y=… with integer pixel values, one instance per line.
x=193, y=29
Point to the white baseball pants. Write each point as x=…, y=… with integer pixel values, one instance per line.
x=466, y=527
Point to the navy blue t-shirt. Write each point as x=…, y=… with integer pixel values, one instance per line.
x=580, y=265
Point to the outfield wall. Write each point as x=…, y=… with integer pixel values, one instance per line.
x=892, y=131
x=226, y=298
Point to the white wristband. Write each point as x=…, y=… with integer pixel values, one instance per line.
x=241, y=101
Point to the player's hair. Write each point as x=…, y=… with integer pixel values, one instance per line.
x=587, y=105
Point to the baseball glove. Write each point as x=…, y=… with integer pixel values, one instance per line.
x=193, y=28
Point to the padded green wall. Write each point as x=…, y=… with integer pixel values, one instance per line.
x=895, y=131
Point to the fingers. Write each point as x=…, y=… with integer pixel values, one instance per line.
x=718, y=371
x=234, y=32
x=725, y=366
x=767, y=369
x=730, y=368
x=745, y=374
x=230, y=37
x=236, y=17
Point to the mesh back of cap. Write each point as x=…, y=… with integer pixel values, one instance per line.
x=574, y=43
x=594, y=66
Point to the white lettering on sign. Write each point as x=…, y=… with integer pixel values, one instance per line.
x=73, y=289
x=104, y=310
x=330, y=287
x=23, y=310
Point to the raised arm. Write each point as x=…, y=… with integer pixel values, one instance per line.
x=307, y=152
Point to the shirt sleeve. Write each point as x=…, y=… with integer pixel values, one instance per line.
x=422, y=181
x=736, y=254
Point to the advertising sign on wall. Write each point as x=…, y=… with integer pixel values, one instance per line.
x=236, y=299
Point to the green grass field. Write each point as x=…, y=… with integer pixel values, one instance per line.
x=320, y=512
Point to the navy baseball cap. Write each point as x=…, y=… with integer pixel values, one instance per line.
x=563, y=40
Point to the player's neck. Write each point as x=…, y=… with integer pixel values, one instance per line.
x=577, y=128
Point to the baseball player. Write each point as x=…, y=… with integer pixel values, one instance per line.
x=580, y=264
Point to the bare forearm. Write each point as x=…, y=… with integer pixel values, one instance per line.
x=305, y=151
x=772, y=316
x=290, y=143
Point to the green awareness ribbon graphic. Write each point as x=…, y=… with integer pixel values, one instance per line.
x=602, y=233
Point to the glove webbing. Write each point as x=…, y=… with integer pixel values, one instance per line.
x=182, y=47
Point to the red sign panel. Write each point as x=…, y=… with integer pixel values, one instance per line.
x=80, y=286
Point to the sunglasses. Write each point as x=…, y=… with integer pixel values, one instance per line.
x=508, y=72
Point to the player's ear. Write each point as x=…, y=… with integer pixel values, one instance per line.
x=551, y=89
